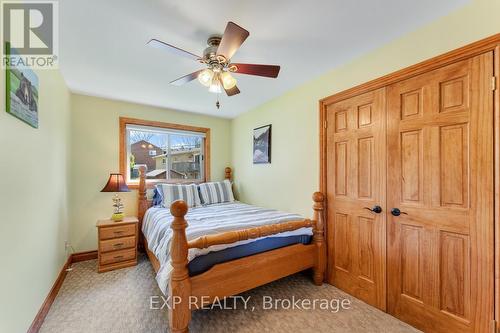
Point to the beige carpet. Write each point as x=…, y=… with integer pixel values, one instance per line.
x=119, y=301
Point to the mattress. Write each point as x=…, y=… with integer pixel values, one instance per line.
x=213, y=219
x=203, y=263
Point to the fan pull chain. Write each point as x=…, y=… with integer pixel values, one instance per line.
x=217, y=104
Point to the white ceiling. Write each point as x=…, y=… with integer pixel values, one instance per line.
x=103, y=51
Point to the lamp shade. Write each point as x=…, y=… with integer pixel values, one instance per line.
x=116, y=183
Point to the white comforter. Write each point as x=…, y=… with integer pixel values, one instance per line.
x=207, y=220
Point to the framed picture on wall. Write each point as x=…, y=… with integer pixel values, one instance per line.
x=22, y=91
x=262, y=145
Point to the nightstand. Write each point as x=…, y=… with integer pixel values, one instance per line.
x=117, y=243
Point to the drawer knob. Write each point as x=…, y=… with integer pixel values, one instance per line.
x=118, y=245
x=118, y=257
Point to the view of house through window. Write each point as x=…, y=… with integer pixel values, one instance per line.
x=165, y=153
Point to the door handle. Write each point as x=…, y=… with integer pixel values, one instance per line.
x=397, y=212
x=376, y=209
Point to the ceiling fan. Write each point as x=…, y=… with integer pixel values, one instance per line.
x=217, y=58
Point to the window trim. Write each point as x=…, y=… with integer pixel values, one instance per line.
x=124, y=121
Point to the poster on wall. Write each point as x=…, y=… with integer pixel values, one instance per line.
x=22, y=92
x=262, y=145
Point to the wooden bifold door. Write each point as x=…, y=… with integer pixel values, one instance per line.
x=410, y=189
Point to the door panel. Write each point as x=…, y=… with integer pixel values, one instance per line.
x=440, y=175
x=411, y=167
x=356, y=158
x=411, y=262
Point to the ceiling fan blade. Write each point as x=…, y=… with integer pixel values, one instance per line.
x=172, y=49
x=186, y=78
x=259, y=70
x=233, y=91
x=233, y=37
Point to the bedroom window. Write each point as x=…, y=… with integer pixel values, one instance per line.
x=169, y=152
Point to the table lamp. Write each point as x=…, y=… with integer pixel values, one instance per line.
x=116, y=184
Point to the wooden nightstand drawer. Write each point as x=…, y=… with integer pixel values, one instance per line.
x=118, y=231
x=117, y=256
x=117, y=244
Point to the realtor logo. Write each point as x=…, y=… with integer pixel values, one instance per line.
x=31, y=28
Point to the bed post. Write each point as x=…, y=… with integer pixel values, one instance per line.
x=180, y=284
x=228, y=173
x=142, y=204
x=319, y=238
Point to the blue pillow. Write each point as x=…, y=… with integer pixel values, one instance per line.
x=157, y=197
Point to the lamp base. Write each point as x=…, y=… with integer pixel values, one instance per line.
x=117, y=217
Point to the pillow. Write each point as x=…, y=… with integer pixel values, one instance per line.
x=157, y=198
x=172, y=192
x=216, y=192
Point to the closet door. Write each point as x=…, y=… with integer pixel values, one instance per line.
x=356, y=196
x=440, y=190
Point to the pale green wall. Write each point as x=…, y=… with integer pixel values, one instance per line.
x=293, y=176
x=33, y=205
x=94, y=154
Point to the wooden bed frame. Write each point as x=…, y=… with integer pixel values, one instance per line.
x=236, y=276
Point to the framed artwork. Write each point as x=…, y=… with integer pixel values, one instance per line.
x=262, y=145
x=22, y=92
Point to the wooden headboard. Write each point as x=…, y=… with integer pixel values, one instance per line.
x=144, y=204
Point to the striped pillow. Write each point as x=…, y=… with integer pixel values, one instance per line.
x=217, y=192
x=171, y=192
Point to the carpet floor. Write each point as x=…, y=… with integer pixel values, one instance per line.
x=127, y=301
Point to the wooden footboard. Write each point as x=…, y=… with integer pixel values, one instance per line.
x=236, y=276
x=250, y=272
x=239, y=275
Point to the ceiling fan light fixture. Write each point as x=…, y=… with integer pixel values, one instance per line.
x=215, y=86
x=206, y=77
x=228, y=81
